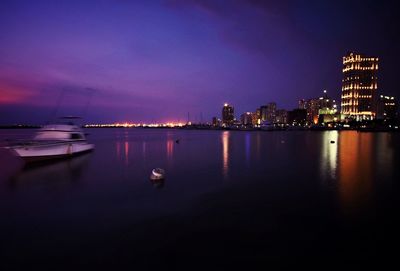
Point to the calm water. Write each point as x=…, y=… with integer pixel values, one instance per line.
x=230, y=199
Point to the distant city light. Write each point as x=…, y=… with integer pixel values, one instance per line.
x=136, y=125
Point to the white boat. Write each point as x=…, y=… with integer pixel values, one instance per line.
x=51, y=142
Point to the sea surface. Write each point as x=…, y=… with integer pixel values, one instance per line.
x=231, y=199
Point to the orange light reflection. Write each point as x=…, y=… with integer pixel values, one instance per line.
x=355, y=169
x=225, y=153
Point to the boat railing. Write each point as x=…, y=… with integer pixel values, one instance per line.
x=40, y=143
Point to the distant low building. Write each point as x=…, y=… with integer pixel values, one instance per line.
x=328, y=118
x=216, y=122
x=316, y=107
x=281, y=116
x=297, y=117
x=327, y=110
x=386, y=108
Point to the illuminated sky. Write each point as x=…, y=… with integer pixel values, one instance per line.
x=122, y=60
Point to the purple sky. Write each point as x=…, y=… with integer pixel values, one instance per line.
x=121, y=60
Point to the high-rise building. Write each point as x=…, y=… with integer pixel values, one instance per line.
x=327, y=110
x=359, y=86
x=271, y=112
x=257, y=117
x=263, y=112
x=247, y=119
x=215, y=121
x=302, y=104
x=281, y=116
x=268, y=112
x=324, y=105
x=386, y=108
x=227, y=114
x=312, y=109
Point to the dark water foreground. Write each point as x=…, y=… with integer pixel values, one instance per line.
x=231, y=200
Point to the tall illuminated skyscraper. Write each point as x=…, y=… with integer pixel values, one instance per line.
x=227, y=114
x=359, y=86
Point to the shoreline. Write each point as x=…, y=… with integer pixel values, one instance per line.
x=241, y=129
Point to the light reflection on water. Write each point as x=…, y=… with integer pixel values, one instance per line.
x=170, y=149
x=385, y=150
x=247, y=148
x=348, y=167
x=355, y=169
x=352, y=156
x=225, y=153
x=270, y=177
x=144, y=149
x=52, y=175
x=118, y=149
x=126, y=151
x=329, y=155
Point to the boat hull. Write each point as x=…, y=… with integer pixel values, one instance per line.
x=51, y=151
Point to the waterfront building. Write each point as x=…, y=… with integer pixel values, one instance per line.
x=228, y=116
x=257, y=117
x=359, y=86
x=386, y=108
x=327, y=110
x=281, y=116
x=268, y=112
x=297, y=117
x=263, y=112
x=302, y=104
x=271, y=112
x=216, y=122
x=247, y=119
x=315, y=107
x=312, y=109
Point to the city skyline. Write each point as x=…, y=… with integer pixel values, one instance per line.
x=155, y=62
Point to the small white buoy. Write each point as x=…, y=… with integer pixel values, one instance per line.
x=157, y=174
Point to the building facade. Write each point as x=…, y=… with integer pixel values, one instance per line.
x=312, y=108
x=386, y=108
x=247, y=119
x=228, y=116
x=359, y=86
x=268, y=112
x=323, y=105
x=263, y=112
x=281, y=116
x=302, y=104
x=297, y=117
